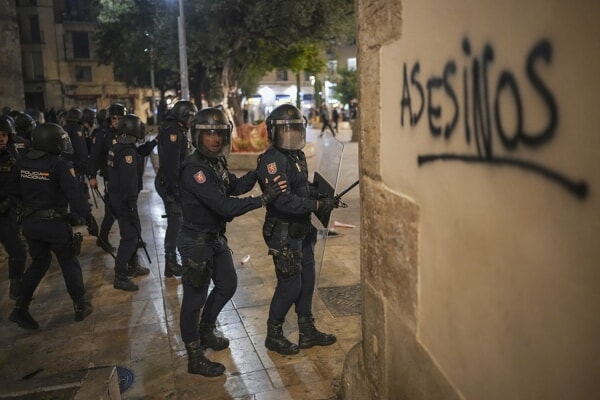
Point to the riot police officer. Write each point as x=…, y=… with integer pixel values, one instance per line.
x=103, y=139
x=24, y=125
x=288, y=231
x=73, y=126
x=48, y=189
x=206, y=188
x=173, y=147
x=88, y=120
x=9, y=230
x=125, y=171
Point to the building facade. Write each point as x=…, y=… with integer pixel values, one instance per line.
x=11, y=82
x=59, y=67
x=280, y=86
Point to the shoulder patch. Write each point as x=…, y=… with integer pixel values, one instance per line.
x=80, y=133
x=72, y=171
x=129, y=159
x=173, y=137
x=200, y=177
x=272, y=168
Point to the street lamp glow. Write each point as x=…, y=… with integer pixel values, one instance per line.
x=183, y=67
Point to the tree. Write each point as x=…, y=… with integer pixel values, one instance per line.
x=346, y=89
x=230, y=41
x=125, y=48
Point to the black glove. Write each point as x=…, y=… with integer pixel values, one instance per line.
x=92, y=225
x=4, y=205
x=270, y=193
x=326, y=205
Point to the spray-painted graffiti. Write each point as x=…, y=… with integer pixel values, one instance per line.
x=480, y=119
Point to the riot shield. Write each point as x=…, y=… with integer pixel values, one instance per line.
x=326, y=176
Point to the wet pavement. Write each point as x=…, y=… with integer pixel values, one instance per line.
x=139, y=331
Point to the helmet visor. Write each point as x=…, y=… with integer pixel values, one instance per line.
x=290, y=137
x=66, y=146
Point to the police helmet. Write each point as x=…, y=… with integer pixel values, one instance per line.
x=183, y=111
x=130, y=129
x=24, y=124
x=116, y=109
x=102, y=115
x=7, y=125
x=74, y=115
x=51, y=138
x=286, y=127
x=211, y=121
x=89, y=116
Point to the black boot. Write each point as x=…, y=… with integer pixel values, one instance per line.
x=209, y=339
x=20, y=315
x=122, y=282
x=311, y=336
x=104, y=244
x=198, y=363
x=82, y=310
x=171, y=265
x=14, y=288
x=135, y=269
x=277, y=342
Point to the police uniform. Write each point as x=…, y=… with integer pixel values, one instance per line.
x=79, y=158
x=173, y=147
x=206, y=188
x=288, y=231
x=125, y=170
x=103, y=139
x=51, y=198
x=9, y=229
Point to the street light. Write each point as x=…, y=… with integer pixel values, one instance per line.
x=183, y=67
x=151, y=50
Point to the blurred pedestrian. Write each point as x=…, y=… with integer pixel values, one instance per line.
x=324, y=116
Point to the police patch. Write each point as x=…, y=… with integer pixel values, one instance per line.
x=128, y=159
x=80, y=133
x=200, y=177
x=173, y=138
x=272, y=168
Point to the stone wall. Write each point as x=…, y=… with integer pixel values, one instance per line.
x=11, y=78
x=478, y=164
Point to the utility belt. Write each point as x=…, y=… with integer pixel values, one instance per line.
x=191, y=233
x=292, y=229
x=45, y=214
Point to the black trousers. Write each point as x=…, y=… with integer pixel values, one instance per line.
x=128, y=243
x=298, y=289
x=44, y=237
x=14, y=246
x=224, y=278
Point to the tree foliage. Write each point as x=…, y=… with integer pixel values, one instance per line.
x=231, y=43
x=346, y=88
